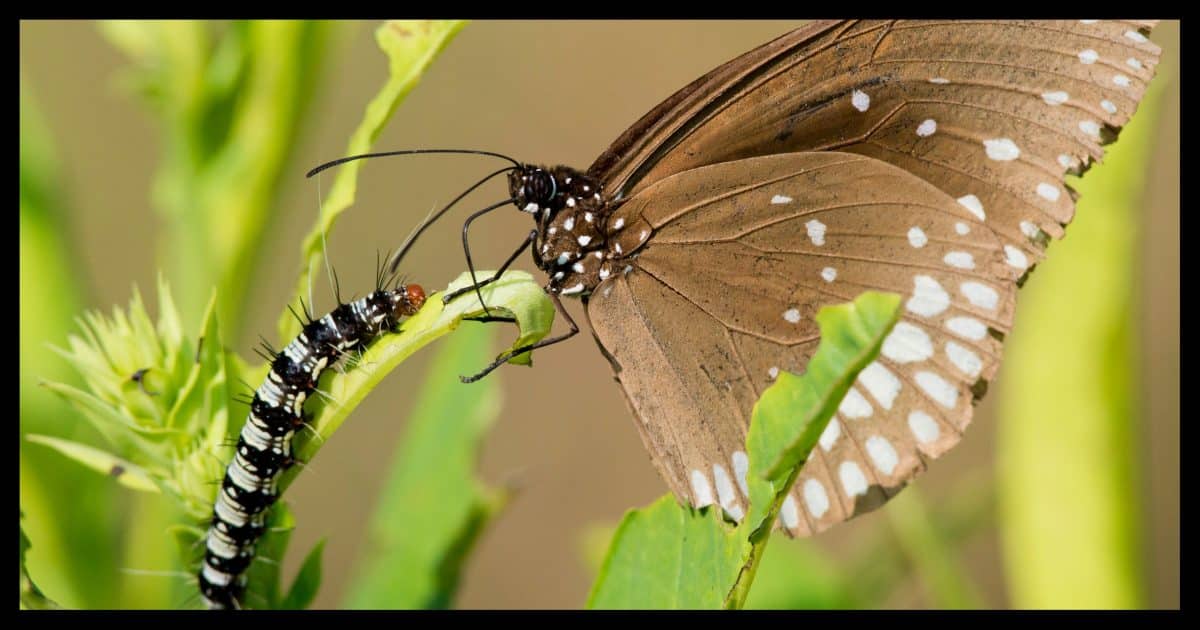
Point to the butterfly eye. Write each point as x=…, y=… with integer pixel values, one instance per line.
x=540, y=188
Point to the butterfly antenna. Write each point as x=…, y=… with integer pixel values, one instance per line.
x=424, y=225
x=364, y=156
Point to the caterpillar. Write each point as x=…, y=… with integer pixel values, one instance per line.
x=264, y=447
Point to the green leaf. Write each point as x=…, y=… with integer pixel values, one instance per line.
x=432, y=508
x=411, y=46
x=125, y=472
x=308, y=580
x=31, y=595
x=1069, y=437
x=669, y=556
x=514, y=295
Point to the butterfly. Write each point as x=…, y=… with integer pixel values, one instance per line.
x=924, y=158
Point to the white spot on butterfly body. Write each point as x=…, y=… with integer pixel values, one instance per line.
x=563, y=258
x=854, y=405
x=1136, y=36
x=1049, y=192
x=741, y=466
x=860, y=100
x=552, y=230
x=942, y=392
x=907, y=344
x=604, y=273
x=927, y=128
x=961, y=260
x=570, y=202
x=1134, y=63
x=578, y=267
x=928, y=298
x=829, y=274
x=939, y=80
x=883, y=454
x=726, y=493
x=923, y=427
x=1015, y=257
x=1002, y=149
x=789, y=514
x=981, y=295
x=829, y=436
x=573, y=290
x=815, y=498
x=967, y=327
x=778, y=199
x=792, y=315
x=1090, y=127
x=1088, y=56
x=852, y=478
x=530, y=207
x=880, y=383
x=584, y=240
x=1121, y=80
x=816, y=231
x=1057, y=97
x=916, y=237
x=569, y=224
x=972, y=203
x=961, y=228
x=1028, y=228
x=966, y=361
x=1108, y=106
x=701, y=489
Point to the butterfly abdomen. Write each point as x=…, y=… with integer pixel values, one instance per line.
x=264, y=448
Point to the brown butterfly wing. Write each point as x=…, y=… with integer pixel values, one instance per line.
x=991, y=112
x=723, y=296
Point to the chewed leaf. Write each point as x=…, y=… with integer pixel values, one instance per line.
x=670, y=556
x=124, y=472
x=410, y=45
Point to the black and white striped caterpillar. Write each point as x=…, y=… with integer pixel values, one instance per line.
x=265, y=445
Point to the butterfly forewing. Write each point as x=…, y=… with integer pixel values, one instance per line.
x=723, y=297
x=944, y=145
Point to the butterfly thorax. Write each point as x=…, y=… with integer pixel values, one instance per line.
x=572, y=215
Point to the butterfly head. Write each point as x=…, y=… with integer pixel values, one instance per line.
x=533, y=188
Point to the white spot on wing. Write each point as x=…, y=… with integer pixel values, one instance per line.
x=1058, y=97
x=972, y=203
x=939, y=80
x=816, y=231
x=883, y=454
x=1088, y=56
x=1030, y=229
x=860, y=100
x=1134, y=62
x=1136, y=36
x=741, y=466
x=815, y=498
x=726, y=493
x=916, y=237
x=852, y=479
x=967, y=327
x=569, y=224
x=1121, y=80
x=619, y=223
x=966, y=361
x=829, y=274
x=773, y=372
x=942, y=392
x=981, y=295
x=923, y=427
x=778, y=199
x=928, y=298
x=907, y=344
x=880, y=383
x=961, y=228
x=584, y=240
x=1049, y=192
x=792, y=315
x=1108, y=106
x=573, y=290
x=1002, y=149
x=854, y=405
x=830, y=435
x=927, y=128
x=1090, y=127
x=961, y=260
x=701, y=489
x=1015, y=257
x=789, y=514
x=1066, y=161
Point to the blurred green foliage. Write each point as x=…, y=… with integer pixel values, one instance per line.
x=1069, y=434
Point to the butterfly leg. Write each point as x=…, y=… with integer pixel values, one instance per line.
x=500, y=360
x=475, y=287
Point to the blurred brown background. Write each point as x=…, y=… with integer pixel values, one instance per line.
x=551, y=92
